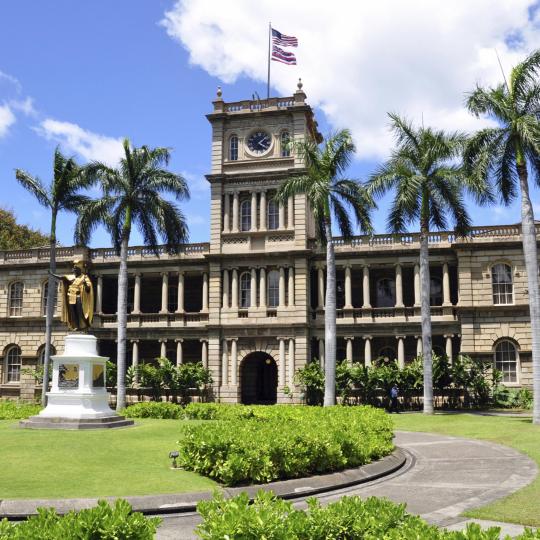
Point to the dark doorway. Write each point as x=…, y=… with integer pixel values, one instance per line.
x=259, y=379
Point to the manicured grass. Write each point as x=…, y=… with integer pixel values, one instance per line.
x=519, y=433
x=55, y=464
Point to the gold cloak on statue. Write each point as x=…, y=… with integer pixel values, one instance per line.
x=77, y=290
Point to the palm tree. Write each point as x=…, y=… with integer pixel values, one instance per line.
x=505, y=154
x=329, y=196
x=132, y=196
x=428, y=185
x=62, y=194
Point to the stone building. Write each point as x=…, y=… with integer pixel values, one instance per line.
x=249, y=304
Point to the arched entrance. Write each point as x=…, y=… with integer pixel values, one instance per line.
x=258, y=378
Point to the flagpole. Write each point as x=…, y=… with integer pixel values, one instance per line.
x=269, y=40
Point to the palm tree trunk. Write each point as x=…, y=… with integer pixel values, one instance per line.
x=122, y=325
x=426, y=316
x=530, y=252
x=330, y=321
x=51, y=293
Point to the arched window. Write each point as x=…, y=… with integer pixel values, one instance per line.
x=13, y=364
x=44, y=293
x=245, y=290
x=233, y=148
x=16, y=299
x=245, y=215
x=285, y=144
x=501, y=281
x=386, y=292
x=272, y=214
x=506, y=360
x=273, y=288
x=41, y=354
x=435, y=291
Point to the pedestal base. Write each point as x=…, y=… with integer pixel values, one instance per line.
x=104, y=422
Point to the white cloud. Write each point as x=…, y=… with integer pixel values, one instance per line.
x=87, y=144
x=11, y=80
x=25, y=106
x=198, y=185
x=359, y=60
x=7, y=119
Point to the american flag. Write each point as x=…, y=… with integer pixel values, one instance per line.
x=285, y=41
x=279, y=55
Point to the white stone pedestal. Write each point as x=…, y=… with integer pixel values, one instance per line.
x=78, y=398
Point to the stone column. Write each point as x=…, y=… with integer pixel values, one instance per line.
x=320, y=287
x=349, y=353
x=253, y=289
x=137, y=294
x=224, y=363
x=236, y=202
x=204, y=353
x=367, y=351
x=205, y=292
x=399, y=287
x=226, y=213
x=180, y=292
x=449, y=352
x=163, y=348
x=164, y=292
x=291, y=363
x=291, y=287
x=234, y=289
x=225, y=289
x=290, y=213
x=262, y=210
x=419, y=346
x=179, y=352
x=234, y=361
x=281, y=286
x=348, y=287
x=262, y=287
x=365, y=287
x=401, y=351
x=135, y=357
x=416, y=285
x=281, y=370
x=446, y=286
x=321, y=352
x=281, y=216
x=253, y=211
x=99, y=294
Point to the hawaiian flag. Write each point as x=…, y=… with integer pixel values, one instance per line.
x=279, y=55
x=285, y=41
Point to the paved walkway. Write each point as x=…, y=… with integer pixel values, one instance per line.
x=445, y=477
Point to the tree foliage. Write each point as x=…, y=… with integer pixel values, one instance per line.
x=13, y=235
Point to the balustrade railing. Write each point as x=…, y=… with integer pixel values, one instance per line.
x=249, y=105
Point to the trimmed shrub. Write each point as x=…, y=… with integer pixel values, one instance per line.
x=103, y=522
x=154, y=409
x=349, y=518
x=259, y=444
x=12, y=410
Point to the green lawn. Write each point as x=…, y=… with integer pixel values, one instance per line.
x=55, y=464
x=519, y=433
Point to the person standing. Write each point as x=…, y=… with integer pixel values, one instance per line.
x=394, y=399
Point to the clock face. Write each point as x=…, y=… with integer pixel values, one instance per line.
x=259, y=142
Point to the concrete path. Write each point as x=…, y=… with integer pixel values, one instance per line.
x=445, y=476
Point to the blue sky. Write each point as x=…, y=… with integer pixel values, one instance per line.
x=86, y=74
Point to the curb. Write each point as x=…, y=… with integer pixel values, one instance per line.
x=19, y=509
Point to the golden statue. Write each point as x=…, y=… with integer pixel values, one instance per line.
x=78, y=298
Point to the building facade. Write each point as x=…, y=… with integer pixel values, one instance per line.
x=249, y=304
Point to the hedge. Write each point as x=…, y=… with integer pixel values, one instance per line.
x=12, y=410
x=259, y=444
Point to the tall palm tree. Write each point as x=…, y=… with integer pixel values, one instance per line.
x=62, y=194
x=505, y=155
x=329, y=196
x=428, y=186
x=132, y=196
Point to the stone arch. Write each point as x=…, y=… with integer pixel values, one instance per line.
x=258, y=379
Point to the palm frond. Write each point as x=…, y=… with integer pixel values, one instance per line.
x=35, y=187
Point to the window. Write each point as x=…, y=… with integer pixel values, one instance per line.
x=435, y=292
x=386, y=292
x=172, y=298
x=506, y=361
x=273, y=288
x=245, y=215
x=285, y=147
x=44, y=293
x=233, y=148
x=41, y=354
x=16, y=299
x=245, y=290
x=13, y=364
x=273, y=214
x=501, y=281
